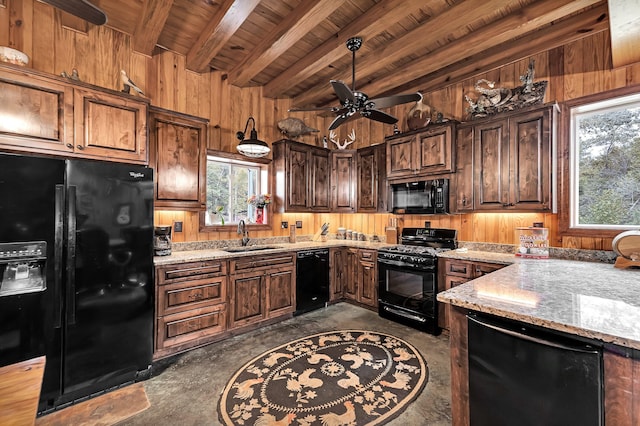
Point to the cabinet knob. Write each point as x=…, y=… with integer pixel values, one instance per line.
x=70, y=146
x=80, y=147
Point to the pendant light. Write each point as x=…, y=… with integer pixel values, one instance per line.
x=252, y=147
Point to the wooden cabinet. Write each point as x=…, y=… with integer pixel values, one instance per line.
x=338, y=273
x=350, y=283
x=51, y=115
x=179, y=156
x=422, y=152
x=354, y=275
x=261, y=288
x=453, y=272
x=343, y=181
x=302, y=177
x=463, y=195
x=371, y=191
x=367, y=277
x=190, y=305
x=512, y=161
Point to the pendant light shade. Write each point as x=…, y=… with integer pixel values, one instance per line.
x=252, y=147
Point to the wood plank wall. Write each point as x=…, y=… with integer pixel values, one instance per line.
x=56, y=42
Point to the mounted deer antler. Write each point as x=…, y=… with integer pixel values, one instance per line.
x=352, y=139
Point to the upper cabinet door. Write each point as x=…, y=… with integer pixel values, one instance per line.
x=421, y=153
x=297, y=176
x=110, y=127
x=435, y=150
x=371, y=183
x=400, y=153
x=37, y=113
x=491, y=156
x=319, y=180
x=343, y=173
x=179, y=144
x=531, y=163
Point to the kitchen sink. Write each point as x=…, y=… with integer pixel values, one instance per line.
x=247, y=248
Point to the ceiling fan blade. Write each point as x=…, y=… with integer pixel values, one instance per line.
x=334, y=109
x=342, y=91
x=82, y=9
x=374, y=114
x=389, y=101
x=343, y=118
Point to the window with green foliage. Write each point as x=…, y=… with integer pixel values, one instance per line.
x=230, y=184
x=605, y=164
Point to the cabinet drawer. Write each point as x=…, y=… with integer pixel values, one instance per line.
x=193, y=325
x=367, y=255
x=458, y=268
x=253, y=262
x=181, y=296
x=480, y=269
x=191, y=271
x=452, y=281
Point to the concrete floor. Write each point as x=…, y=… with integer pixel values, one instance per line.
x=185, y=391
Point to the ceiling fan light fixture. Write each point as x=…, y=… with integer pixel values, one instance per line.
x=252, y=147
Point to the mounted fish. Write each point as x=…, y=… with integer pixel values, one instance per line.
x=294, y=127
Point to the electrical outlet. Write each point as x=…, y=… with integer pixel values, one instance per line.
x=284, y=225
x=298, y=224
x=427, y=224
x=177, y=226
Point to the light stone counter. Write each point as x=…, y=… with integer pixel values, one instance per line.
x=589, y=299
x=177, y=257
x=480, y=256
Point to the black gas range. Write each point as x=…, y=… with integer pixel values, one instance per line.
x=408, y=275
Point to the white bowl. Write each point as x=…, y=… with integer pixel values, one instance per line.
x=13, y=56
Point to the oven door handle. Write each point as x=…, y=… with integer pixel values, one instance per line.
x=405, y=265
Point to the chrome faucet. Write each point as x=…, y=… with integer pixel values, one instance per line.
x=242, y=229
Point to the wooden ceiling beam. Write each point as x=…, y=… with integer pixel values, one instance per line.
x=150, y=25
x=436, y=28
x=366, y=25
x=295, y=26
x=569, y=30
x=511, y=26
x=625, y=32
x=230, y=16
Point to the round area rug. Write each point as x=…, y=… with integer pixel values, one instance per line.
x=347, y=377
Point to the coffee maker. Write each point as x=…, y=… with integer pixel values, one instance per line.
x=162, y=240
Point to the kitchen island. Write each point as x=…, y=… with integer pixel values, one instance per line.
x=587, y=299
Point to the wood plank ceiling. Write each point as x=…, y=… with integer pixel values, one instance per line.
x=294, y=47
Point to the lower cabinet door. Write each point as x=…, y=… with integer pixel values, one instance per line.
x=247, y=300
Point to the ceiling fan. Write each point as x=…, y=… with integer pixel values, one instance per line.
x=80, y=8
x=354, y=104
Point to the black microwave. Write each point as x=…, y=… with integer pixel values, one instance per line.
x=420, y=197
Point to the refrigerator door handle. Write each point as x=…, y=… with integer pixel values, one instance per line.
x=57, y=254
x=71, y=256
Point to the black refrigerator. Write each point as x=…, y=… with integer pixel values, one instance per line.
x=76, y=262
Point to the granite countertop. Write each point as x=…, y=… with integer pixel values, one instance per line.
x=177, y=257
x=590, y=299
x=480, y=256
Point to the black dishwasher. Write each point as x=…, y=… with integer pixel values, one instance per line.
x=524, y=375
x=312, y=280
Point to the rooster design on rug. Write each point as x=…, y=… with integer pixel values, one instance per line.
x=316, y=358
x=401, y=381
x=348, y=418
x=245, y=389
x=353, y=380
x=331, y=338
x=270, y=420
x=304, y=380
x=272, y=359
x=402, y=355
